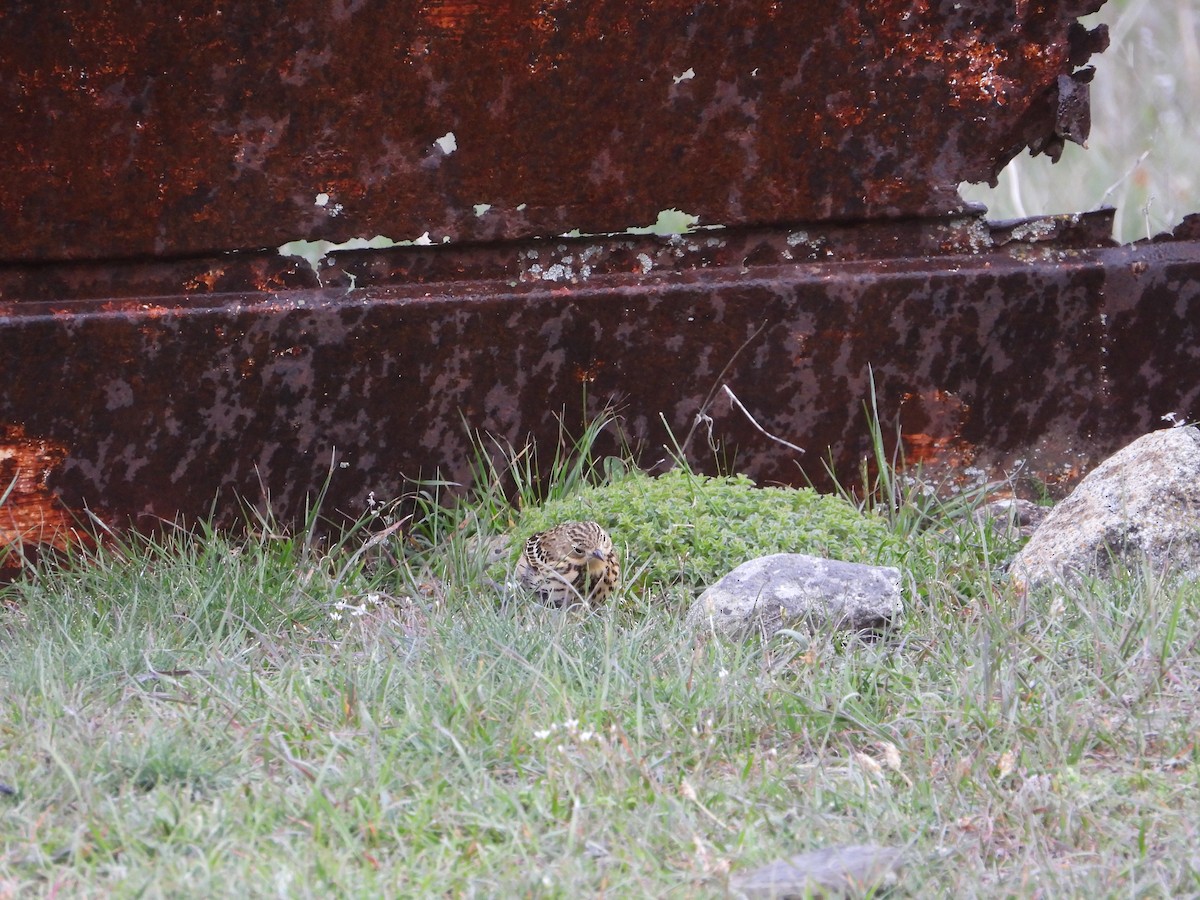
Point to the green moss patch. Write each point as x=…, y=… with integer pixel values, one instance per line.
x=685, y=529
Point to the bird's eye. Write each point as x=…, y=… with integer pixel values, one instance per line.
x=578, y=550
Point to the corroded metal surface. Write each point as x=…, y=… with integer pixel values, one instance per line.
x=165, y=130
x=159, y=358
x=1035, y=346
x=29, y=511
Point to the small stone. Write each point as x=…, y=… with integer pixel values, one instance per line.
x=1011, y=517
x=490, y=549
x=1140, y=506
x=830, y=872
x=786, y=589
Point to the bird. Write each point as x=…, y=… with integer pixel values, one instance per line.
x=571, y=563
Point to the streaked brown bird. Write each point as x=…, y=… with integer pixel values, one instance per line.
x=570, y=563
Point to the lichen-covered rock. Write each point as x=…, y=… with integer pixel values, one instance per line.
x=789, y=589
x=1011, y=518
x=1140, y=506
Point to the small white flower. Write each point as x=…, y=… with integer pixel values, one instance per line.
x=542, y=735
x=724, y=673
x=336, y=616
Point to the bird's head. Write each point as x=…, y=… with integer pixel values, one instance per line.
x=597, y=560
x=590, y=547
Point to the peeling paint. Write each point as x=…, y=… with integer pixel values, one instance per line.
x=322, y=201
x=315, y=252
x=669, y=221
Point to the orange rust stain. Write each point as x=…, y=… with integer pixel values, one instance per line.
x=29, y=511
x=452, y=16
x=925, y=448
x=153, y=310
x=931, y=428
x=849, y=115
x=208, y=280
x=588, y=375
x=973, y=65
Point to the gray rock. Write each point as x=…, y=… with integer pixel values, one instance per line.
x=831, y=872
x=1141, y=505
x=787, y=589
x=1011, y=517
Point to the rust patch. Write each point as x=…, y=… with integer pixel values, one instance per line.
x=29, y=511
x=931, y=425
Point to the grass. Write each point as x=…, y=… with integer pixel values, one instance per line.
x=1140, y=156
x=198, y=714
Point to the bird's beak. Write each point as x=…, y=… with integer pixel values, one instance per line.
x=599, y=554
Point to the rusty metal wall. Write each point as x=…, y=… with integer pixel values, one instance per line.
x=157, y=361
x=993, y=345
x=160, y=129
